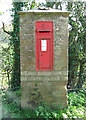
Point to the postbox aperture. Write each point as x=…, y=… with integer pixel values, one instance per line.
x=44, y=45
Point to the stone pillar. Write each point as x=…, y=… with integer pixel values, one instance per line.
x=43, y=86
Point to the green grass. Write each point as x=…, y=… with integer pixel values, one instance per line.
x=76, y=108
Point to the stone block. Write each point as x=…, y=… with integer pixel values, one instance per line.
x=35, y=92
x=44, y=78
x=43, y=73
x=27, y=39
x=40, y=78
x=61, y=40
x=27, y=67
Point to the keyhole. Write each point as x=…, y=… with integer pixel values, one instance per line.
x=41, y=55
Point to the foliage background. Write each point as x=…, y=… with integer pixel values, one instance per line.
x=77, y=63
x=77, y=43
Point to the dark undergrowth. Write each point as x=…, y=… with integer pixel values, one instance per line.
x=76, y=107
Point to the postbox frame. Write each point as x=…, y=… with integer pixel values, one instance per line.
x=48, y=35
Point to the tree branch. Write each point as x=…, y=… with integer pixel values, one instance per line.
x=5, y=30
x=4, y=38
x=6, y=49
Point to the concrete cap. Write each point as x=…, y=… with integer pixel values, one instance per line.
x=35, y=11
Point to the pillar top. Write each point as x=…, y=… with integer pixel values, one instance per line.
x=51, y=11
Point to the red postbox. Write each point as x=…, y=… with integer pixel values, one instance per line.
x=44, y=45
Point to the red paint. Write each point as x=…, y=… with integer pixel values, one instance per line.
x=44, y=57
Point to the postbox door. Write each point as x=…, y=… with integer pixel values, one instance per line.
x=44, y=45
x=44, y=54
